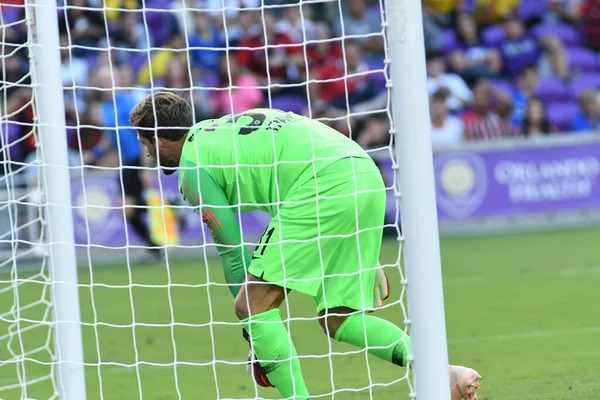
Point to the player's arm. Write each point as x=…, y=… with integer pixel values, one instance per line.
x=201, y=191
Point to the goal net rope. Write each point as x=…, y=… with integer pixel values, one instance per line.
x=156, y=328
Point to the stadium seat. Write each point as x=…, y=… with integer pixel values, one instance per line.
x=583, y=82
x=11, y=14
x=137, y=61
x=449, y=40
x=553, y=90
x=158, y=22
x=493, y=35
x=532, y=9
x=581, y=60
x=10, y=133
x=289, y=103
x=561, y=114
x=569, y=35
x=505, y=86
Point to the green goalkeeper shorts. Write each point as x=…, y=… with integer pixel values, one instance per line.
x=325, y=239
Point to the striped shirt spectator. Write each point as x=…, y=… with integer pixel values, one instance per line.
x=484, y=123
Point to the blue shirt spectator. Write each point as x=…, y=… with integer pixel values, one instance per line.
x=589, y=118
x=525, y=89
x=582, y=124
x=520, y=49
x=206, y=45
x=120, y=133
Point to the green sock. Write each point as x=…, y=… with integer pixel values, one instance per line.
x=381, y=338
x=272, y=345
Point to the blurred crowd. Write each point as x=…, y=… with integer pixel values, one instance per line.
x=495, y=69
x=509, y=68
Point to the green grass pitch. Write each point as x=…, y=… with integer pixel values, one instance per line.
x=523, y=309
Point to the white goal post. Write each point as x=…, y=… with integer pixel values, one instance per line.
x=54, y=340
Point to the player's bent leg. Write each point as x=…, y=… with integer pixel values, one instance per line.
x=257, y=307
x=381, y=338
x=385, y=340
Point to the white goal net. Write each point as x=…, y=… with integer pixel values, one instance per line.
x=157, y=319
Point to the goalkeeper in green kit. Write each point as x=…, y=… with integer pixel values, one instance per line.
x=327, y=200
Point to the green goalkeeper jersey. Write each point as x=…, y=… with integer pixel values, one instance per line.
x=251, y=161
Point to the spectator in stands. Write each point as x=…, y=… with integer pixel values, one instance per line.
x=247, y=23
x=536, y=124
x=338, y=84
x=84, y=25
x=359, y=20
x=590, y=14
x=371, y=132
x=446, y=130
x=588, y=119
x=483, y=122
x=323, y=50
x=113, y=8
x=284, y=62
x=299, y=26
x=521, y=49
x=179, y=81
x=437, y=15
x=244, y=94
x=459, y=94
x=488, y=12
x=128, y=33
x=205, y=45
x=128, y=84
x=471, y=59
x=522, y=92
x=568, y=11
x=121, y=138
x=175, y=47
x=74, y=72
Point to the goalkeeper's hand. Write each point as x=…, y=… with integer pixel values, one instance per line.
x=381, y=290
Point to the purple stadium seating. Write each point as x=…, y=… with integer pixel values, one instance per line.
x=561, y=114
x=493, y=35
x=553, y=90
x=157, y=21
x=506, y=87
x=581, y=60
x=377, y=73
x=11, y=14
x=531, y=9
x=583, y=82
x=137, y=61
x=288, y=103
x=569, y=35
x=9, y=135
x=449, y=40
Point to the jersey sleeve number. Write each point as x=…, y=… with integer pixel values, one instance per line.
x=258, y=119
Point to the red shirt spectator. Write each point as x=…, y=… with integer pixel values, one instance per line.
x=334, y=85
x=333, y=78
x=590, y=14
x=483, y=123
x=280, y=51
x=323, y=50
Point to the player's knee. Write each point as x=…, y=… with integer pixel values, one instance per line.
x=331, y=320
x=242, y=310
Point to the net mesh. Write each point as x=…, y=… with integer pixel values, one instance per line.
x=166, y=329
